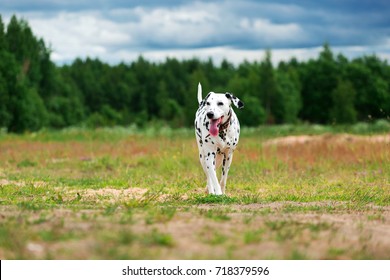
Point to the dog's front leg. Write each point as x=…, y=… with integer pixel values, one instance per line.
x=227, y=161
x=212, y=180
x=209, y=187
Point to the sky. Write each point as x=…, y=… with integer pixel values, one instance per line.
x=119, y=31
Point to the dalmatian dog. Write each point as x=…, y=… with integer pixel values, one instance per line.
x=217, y=133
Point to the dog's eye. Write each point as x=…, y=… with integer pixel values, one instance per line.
x=220, y=103
x=208, y=103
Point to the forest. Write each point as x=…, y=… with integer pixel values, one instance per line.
x=36, y=93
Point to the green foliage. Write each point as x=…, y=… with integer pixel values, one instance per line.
x=29, y=111
x=343, y=97
x=35, y=93
x=319, y=79
x=288, y=97
x=268, y=88
x=172, y=112
x=8, y=70
x=2, y=35
x=253, y=113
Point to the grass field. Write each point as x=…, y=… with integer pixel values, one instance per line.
x=116, y=194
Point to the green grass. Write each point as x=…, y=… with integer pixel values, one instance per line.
x=215, y=214
x=253, y=236
x=125, y=193
x=213, y=199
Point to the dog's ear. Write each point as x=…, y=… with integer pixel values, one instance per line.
x=203, y=102
x=237, y=102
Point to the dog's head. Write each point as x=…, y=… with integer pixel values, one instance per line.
x=218, y=109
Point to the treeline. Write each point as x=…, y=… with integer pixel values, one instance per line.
x=36, y=93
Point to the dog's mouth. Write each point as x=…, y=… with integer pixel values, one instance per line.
x=214, y=126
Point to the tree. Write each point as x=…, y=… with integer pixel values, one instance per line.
x=9, y=72
x=319, y=79
x=64, y=104
x=26, y=48
x=28, y=110
x=370, y=78
x=144, y=103
x=246, y=85
x=3, y=41
x=343, y=96
x=288, y=97
x=253, y=114
x=268, y=91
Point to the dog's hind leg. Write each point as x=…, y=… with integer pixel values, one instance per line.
x=218, y=160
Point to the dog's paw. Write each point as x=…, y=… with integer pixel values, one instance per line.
x=208, y=191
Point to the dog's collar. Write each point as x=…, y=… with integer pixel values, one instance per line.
x=225, y=125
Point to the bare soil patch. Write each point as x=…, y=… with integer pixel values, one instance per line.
x=116, y=193
x=338, y=139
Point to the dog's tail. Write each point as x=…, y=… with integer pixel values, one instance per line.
x=199, y=93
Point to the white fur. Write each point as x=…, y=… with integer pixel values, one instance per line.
x=215, y=151
x=199, y=93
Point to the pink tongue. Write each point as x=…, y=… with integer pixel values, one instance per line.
x=214, y=130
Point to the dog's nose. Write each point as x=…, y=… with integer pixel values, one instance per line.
x=210, y=115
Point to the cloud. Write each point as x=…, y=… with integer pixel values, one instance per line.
x=204, y=25
x=176, y=27
x=194, y=25
x=121, y=30
x=264, y=32
x=71, y=35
